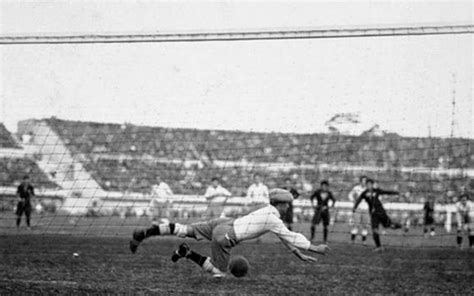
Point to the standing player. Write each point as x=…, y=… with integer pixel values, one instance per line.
x=216, y=195
x=257, y=192
x=465, y=218
x=225, y=233
x=289, y=214
x=162, y=198
x=360, y=219
x=321, y=209
x=378, y=215
x=24, y=192
x=429, y=216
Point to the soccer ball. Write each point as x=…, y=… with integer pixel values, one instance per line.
x=238, y=266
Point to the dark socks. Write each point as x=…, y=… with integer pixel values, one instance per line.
x=18, y=221
x=325, y=230
x=313, y=230
x=377, y=239
x=152, y=231
x=196, y=257
x=364, y=238
x=155, y=230
x=471, y=240
x=28, y=221
x=172, y=226
x=459, y=239
x=353, y=237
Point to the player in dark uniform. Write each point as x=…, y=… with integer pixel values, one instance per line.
x=289, y=214
x=24, y=193
x=429, y=213
x=378, y=215
x=321, y=208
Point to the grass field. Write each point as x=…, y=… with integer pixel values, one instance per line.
x=40, y=261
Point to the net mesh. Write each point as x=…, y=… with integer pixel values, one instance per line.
x=104, y=179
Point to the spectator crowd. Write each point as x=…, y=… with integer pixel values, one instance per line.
x=127, y=157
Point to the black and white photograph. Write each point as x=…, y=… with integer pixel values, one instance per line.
x=234, y=147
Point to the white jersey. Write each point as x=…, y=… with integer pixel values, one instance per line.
x=162, y=191
x=265, y=220
x=465, y=212
x=258, y=193
x=356, y=192
x=217, y=194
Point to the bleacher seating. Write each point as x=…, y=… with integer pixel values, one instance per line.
x=12, y=171
x=6, y=139
x=133, y=173
x=391, y=151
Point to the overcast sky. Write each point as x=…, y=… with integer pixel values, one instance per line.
x=404, y=84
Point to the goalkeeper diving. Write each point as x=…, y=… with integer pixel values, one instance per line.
x=226, y=233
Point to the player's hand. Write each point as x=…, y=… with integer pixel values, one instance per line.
x=307, y=258
x=322, y=249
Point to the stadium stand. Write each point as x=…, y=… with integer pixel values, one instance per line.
x=15, y=163
x=127, y=158
x=6, y=139
x=367, y=150
x=12, y=171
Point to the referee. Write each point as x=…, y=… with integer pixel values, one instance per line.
x=24, y=193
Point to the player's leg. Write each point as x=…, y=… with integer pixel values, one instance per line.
x=19, y=212
x=355, y=227
x=28, y=209
x=432, y=229
x=223, y=239
x=426, y=225
x=471, y=235
x=289, y=218
x=470, y=230
x=393, y=224
x=167, y=228
x=376, y=236
x=387, y=222
x=184, y=251
x=375, y=232
x=364, y=222
x=326, y=218
x=459, y=236
x=314, y=222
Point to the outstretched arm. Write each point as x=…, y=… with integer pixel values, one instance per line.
x=295, y=241
x=319, y=249
x=359, y=199
x=388, y=192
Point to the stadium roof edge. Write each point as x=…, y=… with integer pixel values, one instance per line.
x=390, y=135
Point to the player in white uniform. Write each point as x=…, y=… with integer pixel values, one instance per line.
x=161, y=199
x=465, y=218
x=257, y=192
x=360, y=219
x=217, y=196
x=225, y=233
